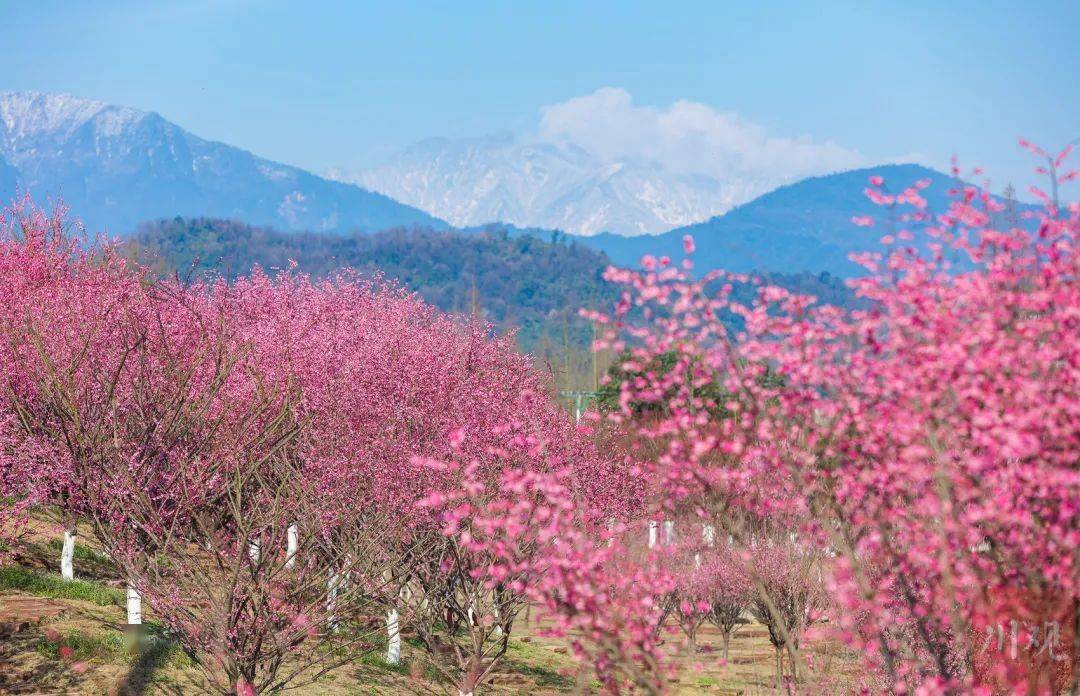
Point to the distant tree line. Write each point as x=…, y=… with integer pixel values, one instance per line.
x=530, y=283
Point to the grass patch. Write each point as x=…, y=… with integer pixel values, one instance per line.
x=376, y=659
x=81, y=553
x=522, y=658
x=53, y=586
x=83, y=646
x=154, y=649
x=543, y=676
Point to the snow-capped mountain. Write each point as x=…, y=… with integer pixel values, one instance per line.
x=534, y=183
x=115, y=167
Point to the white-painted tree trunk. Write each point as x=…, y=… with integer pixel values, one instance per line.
x=393, y=645
x=253, y=551
x=708, y=535
x=291, y=545
x=654, y=529
x=67, y=555
x=498, y=620
x=346, y=576
x=134, y=606
x=669, y=532
x=331, y=598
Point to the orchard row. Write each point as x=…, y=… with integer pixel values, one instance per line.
x=294, y=473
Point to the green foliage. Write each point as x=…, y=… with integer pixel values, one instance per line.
x=712, y=394
x=608, y=393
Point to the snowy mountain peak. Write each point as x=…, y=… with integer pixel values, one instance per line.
x=116, y=166
x=30, y=114
x=537, y=183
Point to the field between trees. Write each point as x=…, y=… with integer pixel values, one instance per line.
x=43, y=617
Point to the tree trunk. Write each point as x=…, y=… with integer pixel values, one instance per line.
x=67, y=554
x=725, y=637
x=331, y=598
x=468, y=682
x=134, y=606
x=653, y=532
x=393, y=645
x=794, y=667
x=498, y=631
x=779, y=669
x=244, y=687
x=292, y=544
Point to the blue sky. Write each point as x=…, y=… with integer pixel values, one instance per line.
x=344, y=84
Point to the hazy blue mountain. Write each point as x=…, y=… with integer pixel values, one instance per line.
x=803, y=227
x=115, y=167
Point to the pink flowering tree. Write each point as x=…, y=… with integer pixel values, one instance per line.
x=535, y=532
x=498, y=561
x=788, y=594
x=62, y=304
x=688, y=602
x=925, y=444
x=728, y=592
x=198, y=471
x=391, y=426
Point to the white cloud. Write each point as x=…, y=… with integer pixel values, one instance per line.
x=687, y=137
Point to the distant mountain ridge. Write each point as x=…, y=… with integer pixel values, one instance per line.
x=803, y=227
x=533, y=183
x=115, y=167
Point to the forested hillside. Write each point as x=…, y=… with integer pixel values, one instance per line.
x=521, y=282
